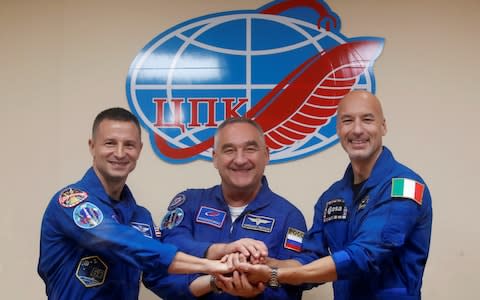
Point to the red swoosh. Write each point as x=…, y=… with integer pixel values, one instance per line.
x=308, y=97
x=302, y=102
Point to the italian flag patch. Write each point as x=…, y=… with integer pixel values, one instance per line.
x=407, y=188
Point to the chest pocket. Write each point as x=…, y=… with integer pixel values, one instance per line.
x=335, y=222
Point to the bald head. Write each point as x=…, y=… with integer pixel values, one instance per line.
x=361, y=98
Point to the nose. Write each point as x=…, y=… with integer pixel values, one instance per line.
x=357, y=127
x=120, y=151
x=240, y=157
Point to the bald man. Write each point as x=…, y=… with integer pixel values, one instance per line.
x=371, y=229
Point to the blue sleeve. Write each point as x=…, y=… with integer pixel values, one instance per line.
x=295, y=221
x=178, y=226
x=386, y=228
x=170, y=287
x=107, y=237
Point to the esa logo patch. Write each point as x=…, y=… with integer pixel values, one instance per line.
x=91, y=271
x=335, y=210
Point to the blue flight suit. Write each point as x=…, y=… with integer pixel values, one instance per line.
x=93, y=247
x=198, y=218
x=379, y=242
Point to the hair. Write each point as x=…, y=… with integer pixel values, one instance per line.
x=235, y=120
x=115, y=114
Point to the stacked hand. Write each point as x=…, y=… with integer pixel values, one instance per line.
x=255, y=273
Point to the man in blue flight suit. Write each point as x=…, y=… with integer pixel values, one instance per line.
x=371, y=229
x=241, y=215
x=95, y=240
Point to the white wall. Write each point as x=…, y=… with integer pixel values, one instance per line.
x=61, y=62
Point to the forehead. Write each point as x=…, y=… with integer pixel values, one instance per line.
x=114, y=128
x=359, y=106
x=238, y=133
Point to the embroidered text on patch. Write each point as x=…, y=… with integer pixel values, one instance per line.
x=211, y=216
x=294, y=239
x=259, y=223
x=335, y=210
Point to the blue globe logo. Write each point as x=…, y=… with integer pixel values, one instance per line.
x=190, y=78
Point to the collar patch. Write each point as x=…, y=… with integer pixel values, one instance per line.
x=172, y=218
x=211, y=216
x=335, y=210
x=143, y=228
x=91, y=271
x=87, y=215
x=259, y=223
x=363, y=203
x=71, y=197
x=294, y=239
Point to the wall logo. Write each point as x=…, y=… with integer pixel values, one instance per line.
x=286, y=65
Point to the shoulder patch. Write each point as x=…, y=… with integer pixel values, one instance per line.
x=172, y=218
x=87, y=215
x=177, y=201
x=294, y=239
x=259, y=223
x=71, y=197
x=407, y=188
x=91, y=271
x=211, y=216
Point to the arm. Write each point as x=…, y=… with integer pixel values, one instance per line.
x=318, y=271
x=186, y=264
x=105, y=236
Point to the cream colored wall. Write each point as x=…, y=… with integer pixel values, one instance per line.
x=63, y=61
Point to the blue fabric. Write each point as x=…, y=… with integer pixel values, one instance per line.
x=194, y=235
x=381, y=247
x=123, y=250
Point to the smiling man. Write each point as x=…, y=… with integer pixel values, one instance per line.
x=240, y=215
x=371, y=229
x=95, y=240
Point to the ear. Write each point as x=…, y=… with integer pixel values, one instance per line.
x=214, y=159
x=91, y=146
x=384, y=127
x=267, y=153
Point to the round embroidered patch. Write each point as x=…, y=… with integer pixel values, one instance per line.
x=177, y=201
x=87, y=215
x=70, y=197
x=172, y=218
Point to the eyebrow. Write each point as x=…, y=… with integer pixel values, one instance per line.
x=247, y=143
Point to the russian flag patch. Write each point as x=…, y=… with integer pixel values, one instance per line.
x=294, y=239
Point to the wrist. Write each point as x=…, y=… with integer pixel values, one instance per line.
x=273, y=281
x=214, y=286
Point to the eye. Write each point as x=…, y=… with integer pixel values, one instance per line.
x=228, y=150
x=369, y=120
x=251, y=149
